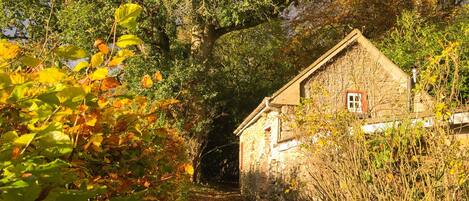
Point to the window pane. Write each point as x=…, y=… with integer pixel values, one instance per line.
x=350, y=97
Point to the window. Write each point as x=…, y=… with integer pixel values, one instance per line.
x=356, y=102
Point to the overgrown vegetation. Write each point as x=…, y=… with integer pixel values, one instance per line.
x=72, y=131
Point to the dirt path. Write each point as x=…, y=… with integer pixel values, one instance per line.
x=204, y=193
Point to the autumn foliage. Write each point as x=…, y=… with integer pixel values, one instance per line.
x=71, y=130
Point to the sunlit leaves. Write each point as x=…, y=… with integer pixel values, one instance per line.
x=147, y=82
x=96, y=141
x=97, y=59
x=70, y=52
x=24, y=140
x=51, y=75
x=99, y=74
x=91, y=120
x=120, y=57
x=21, y=91
x=17, y=78
x=8, y=50
x=64, y=100
x=126, y=15
x=80, y=66
x=128, y=40
x=102, y=102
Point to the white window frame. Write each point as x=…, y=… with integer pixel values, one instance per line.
x=354, y=102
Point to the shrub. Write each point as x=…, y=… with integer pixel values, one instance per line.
x=76, y=133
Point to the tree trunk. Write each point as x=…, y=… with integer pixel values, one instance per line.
x=203, y=39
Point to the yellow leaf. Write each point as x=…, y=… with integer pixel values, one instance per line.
x=86, y=88
x=17, y=78
x=80, y=66
x=189, y=169
x=96, y=140
x=70, y=52
x=91, y=121
x=147, y=82
x=8, y=50
x=102, y=102
x=50, y=75
x=158, y=76
x=97, y=59
x=128, y=40
x=116, y=61
x=99, y=74
x=126, y=15
x=125, y=53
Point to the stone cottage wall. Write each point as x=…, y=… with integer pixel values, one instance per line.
x=355, y=69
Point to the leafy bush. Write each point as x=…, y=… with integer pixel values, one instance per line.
x=70, y=130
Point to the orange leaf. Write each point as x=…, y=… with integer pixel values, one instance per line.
x=109, y=83
x=103, y=48
x=158, y=76
x=15, y=152
x=26, y=175
x=147, y=82
x=101, y=45
x=121, y=102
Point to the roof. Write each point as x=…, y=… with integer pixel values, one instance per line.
x=289, y=94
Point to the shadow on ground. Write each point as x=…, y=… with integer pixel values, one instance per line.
x=218, y=193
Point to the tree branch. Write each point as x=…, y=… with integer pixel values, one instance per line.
x=254, y=21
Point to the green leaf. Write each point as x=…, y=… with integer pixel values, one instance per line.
x=99, y=74
x=5, y=80
x=20, y=91
x=24, y=139
x=29, y=61
x=75, y=94
x=80, y=66
x=126, y=15
x=9, y=136
x=55, y=144
x=70, y=52
x=128, y=40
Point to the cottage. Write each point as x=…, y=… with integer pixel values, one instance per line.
x=357, y=77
